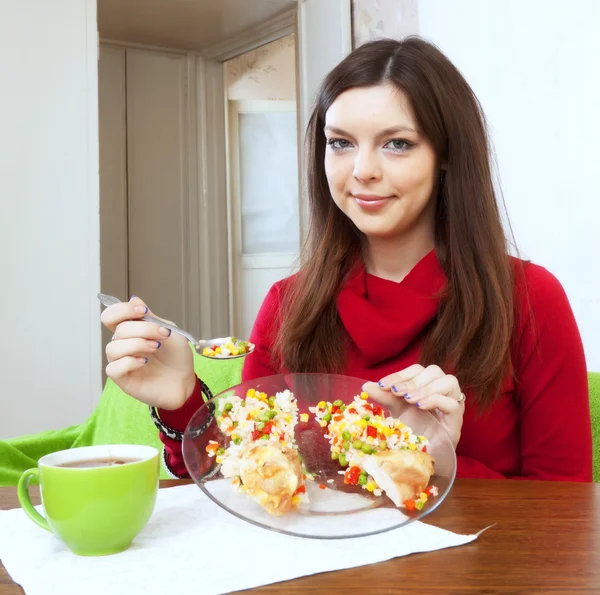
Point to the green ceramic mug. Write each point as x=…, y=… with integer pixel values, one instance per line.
x=97, y=498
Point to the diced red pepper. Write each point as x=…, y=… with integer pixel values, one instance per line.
x=381, y=436
x=425, y=449
x=268, y=427
x=351, y=476
x=410, y=505
x=368, y=407
x=351, y=410
x=429, y=490
x=372, y=431
x=255, y=434
x=335, y=409
x=338, y=417
x=323, y=486
x=301, y=490
x=377, y=410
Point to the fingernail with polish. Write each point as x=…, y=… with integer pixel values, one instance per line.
x=141, y=309
x=165, y=332
x=142, y=360
x=381, y=384
x=394, y=389
x=406, y=396
x=158, y=344
x=132, y=296
x=417, y=404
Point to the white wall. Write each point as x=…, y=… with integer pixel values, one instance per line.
x=49, y=253
x=535, y=67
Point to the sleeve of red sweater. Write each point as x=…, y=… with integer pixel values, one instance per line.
x=551, y=387
x=261, y=362
x=255, y=366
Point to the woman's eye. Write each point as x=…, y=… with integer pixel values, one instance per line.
x=398, y=145
x=338, y=144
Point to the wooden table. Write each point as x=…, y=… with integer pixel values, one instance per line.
x=546, y=541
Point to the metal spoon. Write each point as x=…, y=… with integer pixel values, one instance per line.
x=199, y=345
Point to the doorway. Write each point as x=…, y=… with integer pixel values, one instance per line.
x=165, y=210
x=262, y=157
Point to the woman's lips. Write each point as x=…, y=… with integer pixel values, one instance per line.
x=370, y=202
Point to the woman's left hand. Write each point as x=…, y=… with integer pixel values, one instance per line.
x=427, y=388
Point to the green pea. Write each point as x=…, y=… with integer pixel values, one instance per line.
x=366, y=417
x=265, y=437
x=271, y=402
x=419, y=505
x=242, y=403
x=334, y=455
x=346, y=445
x=366, y=448
x=346, y=435
x=343, y=408
x=228, y=407
x=272, y=414
x=220, y=451
x=382, y=444
x=343, y=461
x=327, y=417
x=260, y=426
x=338, y=403
x=265, y=416
x=237, y=440
x=362, y=479
x=357, y=444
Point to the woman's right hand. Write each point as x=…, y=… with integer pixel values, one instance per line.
x=145, y=360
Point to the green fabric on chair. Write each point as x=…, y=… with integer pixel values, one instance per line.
x=594, y=382
x=117, y=419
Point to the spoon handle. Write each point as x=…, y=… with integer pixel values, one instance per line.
x=110, y=300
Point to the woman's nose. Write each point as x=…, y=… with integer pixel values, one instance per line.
x=366, y=167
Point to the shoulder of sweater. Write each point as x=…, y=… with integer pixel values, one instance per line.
x=540, y=300
x=535, y=284
x=280, y=287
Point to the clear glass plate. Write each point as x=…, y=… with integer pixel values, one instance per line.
x=335, y=510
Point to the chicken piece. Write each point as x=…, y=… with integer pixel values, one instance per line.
x=401, y=474
x=271, y=474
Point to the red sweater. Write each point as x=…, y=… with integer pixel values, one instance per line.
x=539, y=428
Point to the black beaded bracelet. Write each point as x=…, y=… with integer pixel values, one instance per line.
x=195, y=432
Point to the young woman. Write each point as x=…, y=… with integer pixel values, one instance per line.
x=406, y=282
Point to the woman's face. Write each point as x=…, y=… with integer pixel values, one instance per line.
x=381, y=170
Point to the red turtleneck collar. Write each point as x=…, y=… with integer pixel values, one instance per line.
x=373, y=310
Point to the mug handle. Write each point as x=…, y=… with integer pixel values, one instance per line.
x=25, y=500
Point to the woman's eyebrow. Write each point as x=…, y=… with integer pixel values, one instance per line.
x=387, y=132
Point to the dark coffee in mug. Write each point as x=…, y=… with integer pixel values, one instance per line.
x=98, y=463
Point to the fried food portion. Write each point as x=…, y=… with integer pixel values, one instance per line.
x=271, y=474
x=401, y=474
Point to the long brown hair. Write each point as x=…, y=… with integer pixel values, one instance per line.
x=472, y=333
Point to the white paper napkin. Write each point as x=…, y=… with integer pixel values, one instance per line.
x=191, y=543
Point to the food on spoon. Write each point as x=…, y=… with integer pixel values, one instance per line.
x=262, y=458
x=380, y=454
x=230, y=347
